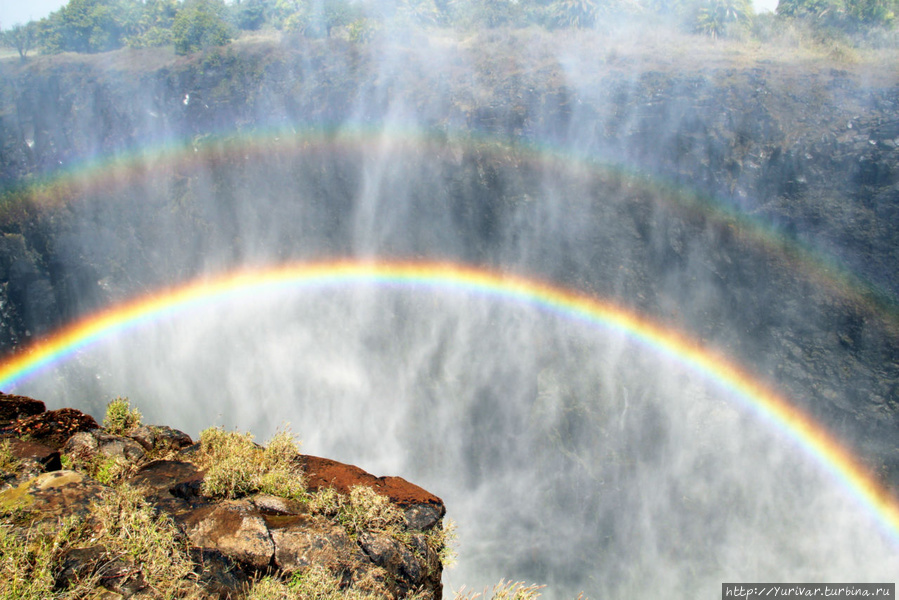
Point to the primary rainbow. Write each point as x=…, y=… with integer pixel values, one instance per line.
x=754, y=394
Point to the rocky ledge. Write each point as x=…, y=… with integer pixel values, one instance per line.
x=62, y=475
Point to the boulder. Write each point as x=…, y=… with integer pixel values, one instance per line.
x=309, y=541
x=394, y=557
x=323, y=472
x=52, y=428
x=233, y=527
x=13, y=408
x=52, y=495
x=43, y=458
x=160, y=438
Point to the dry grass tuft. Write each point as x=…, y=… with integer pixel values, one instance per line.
x=236, y=466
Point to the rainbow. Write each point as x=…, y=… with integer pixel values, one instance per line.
x=107, y=173
x=745, y=388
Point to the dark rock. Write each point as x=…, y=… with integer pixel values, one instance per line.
x=312, y=541
x=53, y=495
x=160, y=438
x=79, y=564
x=219, y=575
x=13, y=408
x=174, y=486
x=53, y=428
x=44, y=457
x=277, y=506
x=115, y=574
x=395, y=557
x=83, y=445
x=116, y=446
x=422, y=516
x=233, y=527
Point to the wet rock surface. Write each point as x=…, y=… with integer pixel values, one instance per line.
x=762, y=173
x=231, y=541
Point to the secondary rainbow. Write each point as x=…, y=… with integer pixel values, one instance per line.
x=745, y=388
x=59, y=187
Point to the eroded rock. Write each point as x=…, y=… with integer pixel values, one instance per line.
x=53, y=428
x=235, y=528
x=13, y=408
x=312, y=541
x=55, y=494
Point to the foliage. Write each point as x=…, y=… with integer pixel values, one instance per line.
x=576, y=13
x=845, y=15
x=443, y=540
x=201, y=24
x=120, y=417
x=717, y=17
x=477, y=14
x=236, y=466
x=504, y=590
x=363, y=30
x=123, y=523
x=21, y=37
x=314, y=583
x=249, y=15
x=367, y=510
x=319, y=19
x=872, y=12
x=154, y=27
x=421, y=12
x=89, y=25
x=8, y=462
x=27, y=559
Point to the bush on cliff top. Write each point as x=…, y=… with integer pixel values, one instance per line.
x=236, y=466
x=120, y=417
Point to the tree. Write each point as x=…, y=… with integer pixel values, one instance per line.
x=872, y=12
x=89, y=25
x=154, y=28
x=575, y=13
x=716, y=17
x=843, y=14
x=249, y=15
x=201, y=24
x=21, y=37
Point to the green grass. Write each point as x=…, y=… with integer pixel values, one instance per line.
x=236, y=466
x=123, y=523
x=120, y=417
x=8, y=462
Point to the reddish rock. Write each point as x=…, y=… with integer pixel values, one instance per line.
x=27, y=451
x=323, y=472
x=13, y=407
x=53, y=428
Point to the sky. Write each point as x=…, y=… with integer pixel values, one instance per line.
x=22, y=11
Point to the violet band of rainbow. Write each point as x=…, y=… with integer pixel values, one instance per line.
x=740, y=384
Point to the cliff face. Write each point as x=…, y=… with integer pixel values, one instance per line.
x=131, y=515
x=723, y=185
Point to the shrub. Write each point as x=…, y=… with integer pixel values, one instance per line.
x=120, y=417
x=718, y=17
x=576, y=13
x=236, y=466
x=314, y=583
x=504, y=590
x=201, y=24
x=8, y=462
x=367, y=510
x=123, y=523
